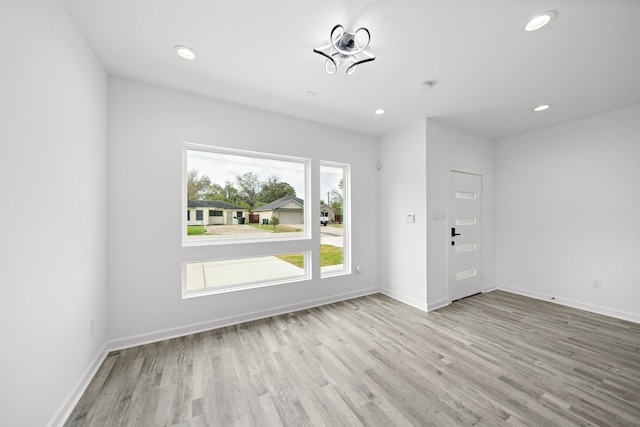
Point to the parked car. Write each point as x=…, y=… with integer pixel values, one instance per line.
x=324, y=218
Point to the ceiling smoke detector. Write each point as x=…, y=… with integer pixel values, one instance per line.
x=425, y=86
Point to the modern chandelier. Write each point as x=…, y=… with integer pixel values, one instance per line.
x=348, y=48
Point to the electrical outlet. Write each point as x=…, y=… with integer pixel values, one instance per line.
x=597, y=284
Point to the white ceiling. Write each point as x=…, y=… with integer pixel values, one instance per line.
x=488, y=73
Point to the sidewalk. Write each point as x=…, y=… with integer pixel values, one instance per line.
x=239, y=271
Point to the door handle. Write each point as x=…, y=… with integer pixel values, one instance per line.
x=453, y=232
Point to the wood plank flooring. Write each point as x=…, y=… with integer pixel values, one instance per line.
x=495, y=359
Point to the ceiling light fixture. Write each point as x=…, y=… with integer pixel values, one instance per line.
x=346, y=47
x=541, y=107
x=185, y=52
x=540, y=20
x=379, y=111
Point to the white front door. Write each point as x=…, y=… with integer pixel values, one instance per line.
x=465, y=235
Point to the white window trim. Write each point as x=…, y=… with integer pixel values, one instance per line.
x=225, y=240
x=346, y=220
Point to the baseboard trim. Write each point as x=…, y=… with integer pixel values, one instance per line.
x=180, y=331
x=438, y=304
x=78, y=390
x=404, y=299
x=489, y=288
x=618, y=314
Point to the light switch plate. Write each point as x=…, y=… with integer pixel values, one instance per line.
x=411, y=218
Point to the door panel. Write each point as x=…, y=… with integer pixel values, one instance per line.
x=465, y=241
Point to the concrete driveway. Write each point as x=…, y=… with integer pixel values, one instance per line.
x=331, y=236
x=207, y=275
x=328, y=235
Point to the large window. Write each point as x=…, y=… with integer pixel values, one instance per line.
x=235, y=197
x=334, y=218
x=232, y=196
x=240, y=196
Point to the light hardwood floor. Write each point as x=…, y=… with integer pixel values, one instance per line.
x=490, y=360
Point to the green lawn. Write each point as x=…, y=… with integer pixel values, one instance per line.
x=329, y=255
x=195, y=230
x=280, y=228
x=286, y=229
x=295, y=259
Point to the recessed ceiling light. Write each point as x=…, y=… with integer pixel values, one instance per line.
x=185, y=52
x=541, y=107
x=540, y=20
x=380, y=111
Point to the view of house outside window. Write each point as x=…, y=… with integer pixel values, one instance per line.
x=232, y=195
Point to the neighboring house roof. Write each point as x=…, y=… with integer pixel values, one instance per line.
x=278, y=203
x=213, y=204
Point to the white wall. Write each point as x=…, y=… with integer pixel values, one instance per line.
x=417, y=161
x=567, y=213
x=53, y=105
x=147, y=126
x=450, y=148
x=403, y=189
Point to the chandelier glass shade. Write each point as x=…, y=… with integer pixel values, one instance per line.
x=348, y=48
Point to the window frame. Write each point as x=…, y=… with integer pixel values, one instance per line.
x=246, y=285
x=250, y=238
x=346, y=219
